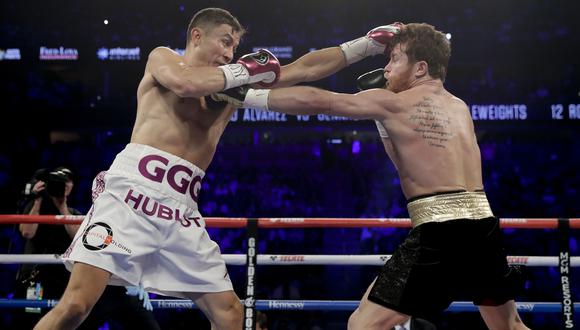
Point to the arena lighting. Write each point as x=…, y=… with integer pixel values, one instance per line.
x=58, y=53
x=10, y=54
x=448, y=36
x=119, y=53
x=355, y=147
x=106, y=22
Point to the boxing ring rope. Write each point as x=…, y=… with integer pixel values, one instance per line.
x=299, y=259
x=251, y=259
x=300, y=305
x=217, y=222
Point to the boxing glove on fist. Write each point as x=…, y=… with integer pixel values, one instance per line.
x=244, y=97
x=212, y=104
x=370, y=80
x=377, y=41
x=260, y=67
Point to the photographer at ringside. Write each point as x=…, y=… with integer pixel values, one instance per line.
x=47, y=194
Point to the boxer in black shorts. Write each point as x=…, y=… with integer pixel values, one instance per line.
x=455, y=246
x=443, y=261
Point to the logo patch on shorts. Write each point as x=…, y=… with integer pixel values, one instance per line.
x=99, y=236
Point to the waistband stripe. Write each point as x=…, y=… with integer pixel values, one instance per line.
x=445, y=207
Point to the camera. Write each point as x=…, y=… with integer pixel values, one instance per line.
x=55, y=182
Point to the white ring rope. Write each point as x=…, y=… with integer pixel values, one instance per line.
x=297, y=259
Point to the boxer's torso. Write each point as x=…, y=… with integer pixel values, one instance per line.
x=184, y=127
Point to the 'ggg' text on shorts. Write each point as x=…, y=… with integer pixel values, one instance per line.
x=187, y=184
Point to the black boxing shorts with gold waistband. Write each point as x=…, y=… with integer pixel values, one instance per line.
x=449, y=206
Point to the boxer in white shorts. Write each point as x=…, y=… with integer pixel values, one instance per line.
x=144, y=227
x=144, y=210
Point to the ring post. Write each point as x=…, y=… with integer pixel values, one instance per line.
x=251, y=261
x=564, y=263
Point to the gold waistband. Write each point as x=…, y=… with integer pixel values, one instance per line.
x=445, y=207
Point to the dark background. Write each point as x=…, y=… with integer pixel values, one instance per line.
x=80, y=114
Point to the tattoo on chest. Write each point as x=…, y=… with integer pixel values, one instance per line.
x=433, y=124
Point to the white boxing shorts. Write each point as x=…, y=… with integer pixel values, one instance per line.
x=145, y=229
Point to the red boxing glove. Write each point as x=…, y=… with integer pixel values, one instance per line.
x=262, y=62
x=261, y=67
x=384, y=35
x=377, y=41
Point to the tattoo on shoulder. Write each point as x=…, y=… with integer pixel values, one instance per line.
x=432, y=123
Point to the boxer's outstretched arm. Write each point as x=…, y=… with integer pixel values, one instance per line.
x=312, y=66
x=303, y=100
x=325, y=62
x=298, y=100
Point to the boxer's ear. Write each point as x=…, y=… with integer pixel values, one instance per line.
x=196, y=34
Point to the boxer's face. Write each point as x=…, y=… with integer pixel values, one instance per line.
x=217, y=44
x=399, y=72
